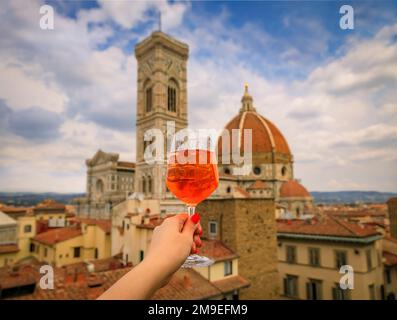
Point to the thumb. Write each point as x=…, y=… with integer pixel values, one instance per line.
x=191, y=225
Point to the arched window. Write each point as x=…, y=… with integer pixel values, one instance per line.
x=148, y=91
x=150, y=185
x=144, y=185
x=172, y=95
x=283, y=171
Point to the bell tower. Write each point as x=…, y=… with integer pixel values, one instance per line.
x=161, y=97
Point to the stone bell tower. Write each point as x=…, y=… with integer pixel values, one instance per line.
x=161, y=97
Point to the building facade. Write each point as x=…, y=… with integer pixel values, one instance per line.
x=109, y=182
x=311, y=254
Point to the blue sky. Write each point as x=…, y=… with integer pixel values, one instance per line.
x=330, y=91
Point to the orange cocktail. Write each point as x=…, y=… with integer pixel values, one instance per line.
x=192, y=175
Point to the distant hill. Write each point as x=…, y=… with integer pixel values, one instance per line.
x=30, y=198
x=351, y=197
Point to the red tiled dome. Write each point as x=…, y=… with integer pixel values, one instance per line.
x=293, y=188
x=266, y=137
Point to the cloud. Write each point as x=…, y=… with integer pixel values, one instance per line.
x=35, y=123
x=336, y=109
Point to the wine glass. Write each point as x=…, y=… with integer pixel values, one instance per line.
x=192, y=175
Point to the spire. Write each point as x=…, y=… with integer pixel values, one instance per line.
x=247, y=101
x=159, y=20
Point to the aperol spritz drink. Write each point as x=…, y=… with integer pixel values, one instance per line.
x=192, y=175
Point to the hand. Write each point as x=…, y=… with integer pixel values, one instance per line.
x=173, y=241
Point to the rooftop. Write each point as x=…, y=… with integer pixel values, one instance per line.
x=54, y=236
x=257, y=185
x=105, y=225
x=216, y=250
x=326, y=227
x=6, y=220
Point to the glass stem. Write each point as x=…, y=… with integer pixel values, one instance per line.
x=190, y=210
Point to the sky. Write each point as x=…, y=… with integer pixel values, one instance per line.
x=67, y=92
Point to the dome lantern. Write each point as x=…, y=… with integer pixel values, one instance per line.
x=247, y=101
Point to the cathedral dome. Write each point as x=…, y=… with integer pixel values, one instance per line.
x=293, y=189
x=266, y=137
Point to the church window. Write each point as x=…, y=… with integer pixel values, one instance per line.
x=172, y=96
x=228, y=189
x=283, y=171
x=148, y=99
x=257, y=170
x=149, y=184
x=144, y=185
x=227, y=171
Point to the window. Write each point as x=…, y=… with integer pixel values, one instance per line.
x=314, y=289
x=144, y=185
x=228, y=268
x=257, y=170
x=371, y=289
x=314, y=257
x=369, y=259
x=76, y=252
x=141, y=255
x=32, y=247
x=27, y=228
x=291, y=286
x=213, y=228
x=45, y=252
x=227, y=171
x=290, y=254
x=388, y=276
x=172, y=96
x=283, y=171
x=150, y=185
x=340, y=258
x=96, y=253
x=228, y=189
x=339, y=294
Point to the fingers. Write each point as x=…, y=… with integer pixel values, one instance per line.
x=199, y=230
x=191, y=225
x=194, y=248
x=197, y=241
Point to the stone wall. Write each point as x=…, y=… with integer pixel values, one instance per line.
x=248, y=227
x=392, y=209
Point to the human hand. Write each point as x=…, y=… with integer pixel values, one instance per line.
x=173, y=241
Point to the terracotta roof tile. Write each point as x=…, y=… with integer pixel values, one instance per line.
x=216, y=250
x=104, y=224
x=328, y=226
x=187, y=284
x=57, y=235
x=231, y=283
x=293, y=188
x=242, y=192
x=265, y=135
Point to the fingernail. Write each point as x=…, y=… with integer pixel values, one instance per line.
x=195, y=218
